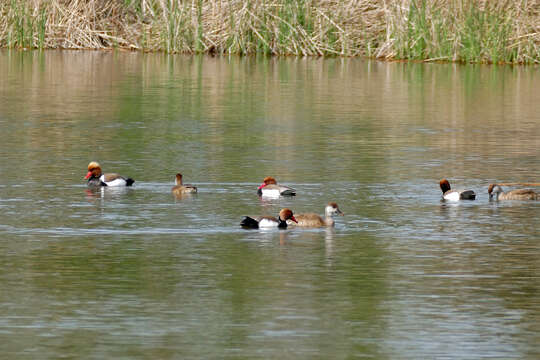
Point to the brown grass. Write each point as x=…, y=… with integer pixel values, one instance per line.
x=454, y=30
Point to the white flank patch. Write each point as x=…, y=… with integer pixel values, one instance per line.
x=115, y=182
x=266, y=223
x=273, y=193
x=453, y=196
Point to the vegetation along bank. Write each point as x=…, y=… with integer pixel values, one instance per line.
x=431, y=30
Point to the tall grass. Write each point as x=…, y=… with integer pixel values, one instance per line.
x=466, y=30
x=448, y=30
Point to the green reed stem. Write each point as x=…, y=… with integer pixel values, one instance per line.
x=454, y=30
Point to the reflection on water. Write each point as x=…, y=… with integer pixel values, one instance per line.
x=141, y=273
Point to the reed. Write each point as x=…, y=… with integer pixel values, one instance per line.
x=467, y=31
x=428, y=30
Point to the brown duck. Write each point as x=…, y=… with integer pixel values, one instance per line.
x=314, y=220
x=180, y=188
x=495, y=191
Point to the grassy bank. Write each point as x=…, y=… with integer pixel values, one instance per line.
x=453, y=30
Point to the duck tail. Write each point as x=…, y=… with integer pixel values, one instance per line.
x=468, y=195
x=249, y=223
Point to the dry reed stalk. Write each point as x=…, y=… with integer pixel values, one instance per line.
x=460, y=30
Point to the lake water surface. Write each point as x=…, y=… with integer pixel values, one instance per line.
x=141, y=274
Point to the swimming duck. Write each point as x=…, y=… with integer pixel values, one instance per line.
x=180, y=188
x=96, y=178
x=496, y=191
x=314, y=220
x=269, y=221
x=455, y=195
x=270, y=188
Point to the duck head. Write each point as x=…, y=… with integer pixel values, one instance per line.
x=494, y=190
x=286, y=214
x=332, y=208
x=94, y=170
x=178, y=180
x=445, y=185
x=267, y=181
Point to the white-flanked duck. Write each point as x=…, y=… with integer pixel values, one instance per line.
x=266, y=222
x=496, y=191
x=181, y=189
x=271, y=188
x=314, y=220
x=455, y=195
x=97, y=178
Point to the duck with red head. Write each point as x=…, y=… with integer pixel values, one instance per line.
x=313, y=220
x=455, y=195
x=96, y=178
x=180, y=189
x=496, y=191
x=270, y=188
x=267, y=222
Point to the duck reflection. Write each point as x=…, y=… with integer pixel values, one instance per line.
x=106, y=193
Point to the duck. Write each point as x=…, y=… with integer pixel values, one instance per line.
x=180, y=188
x=267, y=222
x=96, y=178
x=314, y=220
x=455, y=195
x=496, y=191
x=270, y=188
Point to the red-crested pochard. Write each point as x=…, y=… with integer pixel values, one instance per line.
x=97, y=178
x=269, y=221
x=314, y=220
x=270, y=188
x=496, y=191
x=455, y=195
x=180, y=188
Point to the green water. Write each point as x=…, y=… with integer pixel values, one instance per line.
x=141, y=274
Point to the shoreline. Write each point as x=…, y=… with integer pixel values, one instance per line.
x=162, y=52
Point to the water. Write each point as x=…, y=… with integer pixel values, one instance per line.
x=139, y=273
